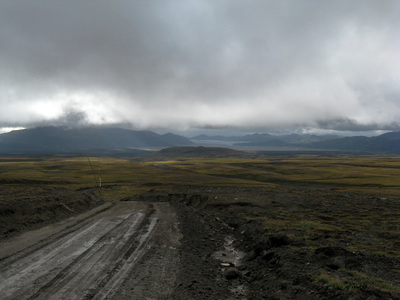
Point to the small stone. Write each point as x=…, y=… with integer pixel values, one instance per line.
x=225, y=265
x=232, y=273
x=336, y=263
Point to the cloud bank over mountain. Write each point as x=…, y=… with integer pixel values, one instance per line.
x=333, y=65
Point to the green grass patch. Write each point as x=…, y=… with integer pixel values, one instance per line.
x=352, y=281
x=368, y=174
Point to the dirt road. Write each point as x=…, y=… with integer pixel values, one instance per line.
x=124, y=250
x=204, y=244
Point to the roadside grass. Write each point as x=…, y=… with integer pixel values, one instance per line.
x=353, y=281
x=358, y=222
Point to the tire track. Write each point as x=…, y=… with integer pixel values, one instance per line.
x=124, y=267
x=88, y=260
x=51, y=239
x=87, y=266
x=156, y=263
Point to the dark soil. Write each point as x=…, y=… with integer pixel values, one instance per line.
x=28, y=207
x=277, y=263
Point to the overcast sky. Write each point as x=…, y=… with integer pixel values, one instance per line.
x=194, y=64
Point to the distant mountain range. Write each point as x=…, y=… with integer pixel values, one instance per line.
x=265, y=139
x=124, y=142
x=386, y=143
x=59, y=140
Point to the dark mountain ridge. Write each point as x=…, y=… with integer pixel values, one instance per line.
x=125, y=142
x=385, y=143
x=83, y=140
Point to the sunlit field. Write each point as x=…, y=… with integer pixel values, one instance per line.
x=122, y=178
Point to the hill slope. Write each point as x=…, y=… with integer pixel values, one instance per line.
x=388, y=143
x=200, y=151
x=82, y=140
x=385, y=143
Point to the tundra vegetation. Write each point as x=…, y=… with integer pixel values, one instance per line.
x=339, y=215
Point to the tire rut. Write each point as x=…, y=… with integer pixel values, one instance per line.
x=51, y=239
x=88, y=262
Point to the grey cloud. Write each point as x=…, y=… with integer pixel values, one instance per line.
x=203, y=63
x=345, y=124
x=73, y=119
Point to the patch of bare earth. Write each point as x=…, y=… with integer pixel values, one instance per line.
x=127, y=250
x=306, y=243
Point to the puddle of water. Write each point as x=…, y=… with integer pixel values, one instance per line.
x=229, y=254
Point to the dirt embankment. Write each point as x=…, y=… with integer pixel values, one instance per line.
x=27, y=207
x=268, y=264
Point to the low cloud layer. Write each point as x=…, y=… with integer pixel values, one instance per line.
x=201, y=64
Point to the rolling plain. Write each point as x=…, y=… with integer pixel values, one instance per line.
x=223, y=226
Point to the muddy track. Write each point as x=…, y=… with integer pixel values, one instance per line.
x=98, y=257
